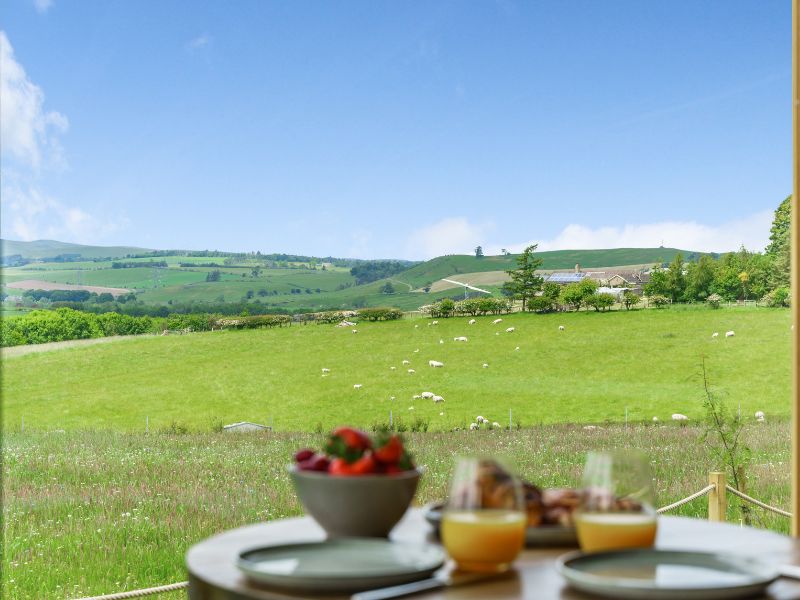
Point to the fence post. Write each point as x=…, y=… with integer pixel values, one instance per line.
x=717, y=498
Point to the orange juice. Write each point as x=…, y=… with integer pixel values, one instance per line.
x=483, y=540
x=613, y=531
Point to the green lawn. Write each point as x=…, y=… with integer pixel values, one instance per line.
x=88, y=513
x=604, y=363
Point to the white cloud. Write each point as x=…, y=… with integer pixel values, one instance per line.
x=454, y=235
x=28, y=133
x=30, y=214
x=751, y=232
x=201, y=41
x=42, y=6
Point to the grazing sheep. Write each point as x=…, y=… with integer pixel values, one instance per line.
x=729, y=334
x=495, y=425
x=434, y=322
x=441, y=414
x=497, y=333
x=460, y=339
x=392, y=368
x=496, y=321
x=485, y=365
x=391, y=397
x=760, y=416
x=416, y=326
x=357, y=386
x=517, y=348
x=480, y=419
x=589, y=427
x=417, y=350
x=355, y=330
x=324, y=370
x=473, y=426
x=410, y=408
x=510, y=330
x=441, y=341
x=679, y=417
x=438, y=399
x=411, y=371
x=435, y=363
x=561, y=328
x=406, y=362
x=472, y=321
x=655, y=419
x=427, y=395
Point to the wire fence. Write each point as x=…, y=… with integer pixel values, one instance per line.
x=719, y=488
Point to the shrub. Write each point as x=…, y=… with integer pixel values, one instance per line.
x=541, y=304
x=600, y=301
x=777, y=298
x=659, y=301
x=630, y=299
x=253, y=322
x=713, y=300
x=380, y=314
x=446, y=307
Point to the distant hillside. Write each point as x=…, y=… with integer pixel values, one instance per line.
x=444, y=266
x=52, y=248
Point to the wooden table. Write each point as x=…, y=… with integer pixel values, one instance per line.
x=213, y=575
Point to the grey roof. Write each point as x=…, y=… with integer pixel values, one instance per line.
x=566, y=277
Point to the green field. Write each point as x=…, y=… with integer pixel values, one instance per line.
x=51, y=248
x=645, y=361
x=90, y=513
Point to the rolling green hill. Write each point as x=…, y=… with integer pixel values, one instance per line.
x=51, y=248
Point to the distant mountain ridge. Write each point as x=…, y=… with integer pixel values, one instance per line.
x=49, y=248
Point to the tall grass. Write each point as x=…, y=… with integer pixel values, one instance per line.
x=98, y=512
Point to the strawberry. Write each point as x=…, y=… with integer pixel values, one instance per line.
x=347, y=443
x=340, y=466
x=303, y=455
x=389, y=453
x=318, y=462
x=365, y=465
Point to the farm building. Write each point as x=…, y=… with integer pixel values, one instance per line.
x=245, y=426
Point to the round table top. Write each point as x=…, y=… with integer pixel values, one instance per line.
x=213, y=573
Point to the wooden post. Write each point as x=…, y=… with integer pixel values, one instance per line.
x=795, y=269
x=718, y=497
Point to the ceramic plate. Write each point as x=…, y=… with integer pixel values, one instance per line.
x=552, y=536
x=341, y=565
x=666, y=575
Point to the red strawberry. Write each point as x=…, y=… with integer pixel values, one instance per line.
x=365, y=465
x=390, y=452
x=303, y=455
x=339, y=467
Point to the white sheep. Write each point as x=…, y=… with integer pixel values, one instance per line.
x=357, y=386
x=417, y=396
x=324, y=370
x=496, y=321
x=589, y=427
x=517, y=348
x=392, y=368
x=435, y=363
x=485, y=365
x=391, y=397
x=441, y=341
x=472, y=321
x=427, y=395
x=410, y=408
x=715, y=334
x=473, y=426
x=411, y=371
x=438, y=399
x=679, y=417
x=497, y=333
x=561, y=328
x=355, y=330
x=655, y=419
x=417, y=350
x=510, y=330
x=434, y=322
x=759, y=416
x=441, y=414
x=480, y=419
x=729, y=334
x=406, y=362
x=495, y=425
x=416, y=326
x=460, y=339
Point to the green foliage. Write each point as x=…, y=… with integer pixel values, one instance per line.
x=253, y=322
x=380, y=314
x=479, y=252
x=524, y=280
x=446, y=307
x=700, y=277
x=778, y=297
x=714, y=300
x=214, y=275
x=629, y=299
x=658, y=284
x=374, y=270
x=387, y=288
x=600, y=302
x=578, y=294
x=676, y=282
x=41, y=326
x=659, y=301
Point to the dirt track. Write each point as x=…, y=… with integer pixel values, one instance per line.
x=37, y=284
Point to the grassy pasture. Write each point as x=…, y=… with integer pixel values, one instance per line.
x=90, y=513
x=645, y=361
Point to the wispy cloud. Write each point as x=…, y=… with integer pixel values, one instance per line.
x=751, y=232
x=29, y=133
x=201, y=41
x=42, y=6
x=454, y=235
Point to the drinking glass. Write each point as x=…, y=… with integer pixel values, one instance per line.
x=483, y=523
x=616, y=509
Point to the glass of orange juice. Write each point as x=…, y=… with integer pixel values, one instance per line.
x=483, y=523
x=616, y=509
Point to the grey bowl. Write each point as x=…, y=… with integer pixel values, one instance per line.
x=358, y=506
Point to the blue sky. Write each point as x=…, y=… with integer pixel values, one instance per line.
x=395, y=129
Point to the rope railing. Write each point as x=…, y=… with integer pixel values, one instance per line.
x=752, y=500
x=709, y=488
x=717, y=486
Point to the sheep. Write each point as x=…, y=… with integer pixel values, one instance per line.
x=679, y=417
x=589, y=427
x=517, y=348
x=410, y=408
x=355, y=330
x=473, y=426
x=441, y=341
x=391, y=398
x=496, y=321
x=417, y=396
x=411, y=371
x=441, y=414
x=655, y=419
x=416, y=326
x=324, y=370
x=417, y=350
x=510, y=330
x=497, y=333
x=495, y=425
x=392, y=368
x=427, y=395
x=472, y=321
x=759, y=415
x=434, y=322
x=485, y=365
x=715, y=334
x=561, y=328
x=438, y=399
x=435, y=363
x=357, y=386
x=406, y=362
x=480, y=419
x=729, y=334
x=460, y=339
